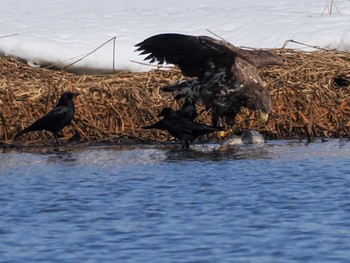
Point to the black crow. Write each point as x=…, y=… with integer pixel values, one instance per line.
x=58, y=118
x=188, y=110
x=181, y=128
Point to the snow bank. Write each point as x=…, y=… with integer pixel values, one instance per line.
x=61, y=32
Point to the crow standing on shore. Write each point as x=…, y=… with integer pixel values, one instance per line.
x=58, y=118
x=181, y=128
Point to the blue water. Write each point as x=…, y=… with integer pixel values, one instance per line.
x=281, y=202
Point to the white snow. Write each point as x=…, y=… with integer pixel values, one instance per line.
x=62, y=31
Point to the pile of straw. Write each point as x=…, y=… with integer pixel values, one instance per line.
x=311, y=94
x=311, y=97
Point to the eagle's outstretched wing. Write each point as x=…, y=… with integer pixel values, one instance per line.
x=191, y=54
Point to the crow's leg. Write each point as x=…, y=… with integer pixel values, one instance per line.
x=60, y=134
x=185, y=145
x=57, y=140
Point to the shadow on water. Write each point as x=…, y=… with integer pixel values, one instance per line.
x=62, y=156
x=205, y=152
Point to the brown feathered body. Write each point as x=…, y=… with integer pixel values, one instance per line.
x=228, y=76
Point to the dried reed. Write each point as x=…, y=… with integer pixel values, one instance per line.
x=310, y=92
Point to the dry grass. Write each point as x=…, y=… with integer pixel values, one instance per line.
x=307, y=101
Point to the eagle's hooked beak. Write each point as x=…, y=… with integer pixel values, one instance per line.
x=263, y=117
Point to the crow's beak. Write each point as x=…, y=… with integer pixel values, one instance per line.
x=76, y=94
x=263, y=117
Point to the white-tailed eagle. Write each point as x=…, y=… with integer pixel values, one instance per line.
x=227, y=75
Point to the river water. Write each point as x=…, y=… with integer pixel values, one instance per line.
x=284, y=201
